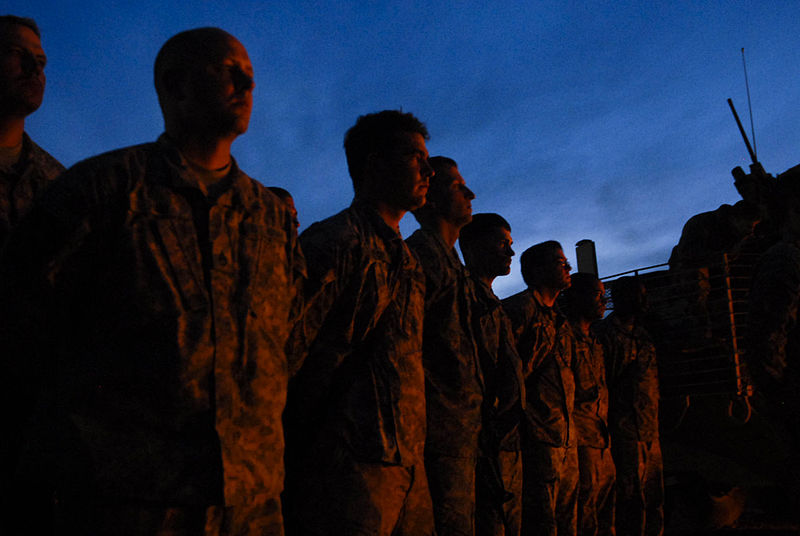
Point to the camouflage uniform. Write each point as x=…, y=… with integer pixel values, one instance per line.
x=21, y=184
x=550, y=458
x=453, y=385
x=356, y=412
x=596, y=467
x=165, y=312
x=632, y=375
x=504, y=401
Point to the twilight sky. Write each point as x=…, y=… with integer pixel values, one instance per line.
x=599, y=120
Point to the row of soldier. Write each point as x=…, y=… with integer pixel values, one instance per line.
x=165, y=333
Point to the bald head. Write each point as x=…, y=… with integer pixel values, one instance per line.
x=204, y=82
x=9, y=21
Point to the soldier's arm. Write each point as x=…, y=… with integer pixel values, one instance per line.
x=46, y=263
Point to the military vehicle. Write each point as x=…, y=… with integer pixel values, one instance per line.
x=725, y=453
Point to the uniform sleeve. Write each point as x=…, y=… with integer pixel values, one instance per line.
x=48, y=260
x=611, y=355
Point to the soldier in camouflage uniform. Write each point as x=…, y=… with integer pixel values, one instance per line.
x=25, y=168
x=356, y=411
x=453, y=380
x=632, y=376
x=165, y=280
x=543, y=337
x=486, y=246
x=586, y=303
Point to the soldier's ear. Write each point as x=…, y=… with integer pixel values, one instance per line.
x=173, y=81
x=374, y=165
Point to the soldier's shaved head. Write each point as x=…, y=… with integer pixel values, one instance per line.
x=183, y=52
x=204, y=82
x=9, y=21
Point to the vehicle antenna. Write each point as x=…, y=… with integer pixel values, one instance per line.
x=749, y=106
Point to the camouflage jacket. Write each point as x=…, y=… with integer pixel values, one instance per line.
x=543, y=342
x=591, y=392
x=504, y=398
x=20, y=185
x=453, y=379
x=362, y=380
x=773, y=334
x=165, y=314
x=632, y=375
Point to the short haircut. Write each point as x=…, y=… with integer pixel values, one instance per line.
x=376, y=133
x=582, y=284
x=7, y=21
x=623, y=292
x=280, y=192
x=437, y=186
x=481, y=224
x=441, y=163
x=182, y=50
x=534, y=257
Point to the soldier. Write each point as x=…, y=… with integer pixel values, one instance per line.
x=486, y=246
x=25, y=168
x=543, y=337
x=356, y=411
x=586, y=302
x=453, y=382
x=632, y=376
x=163, y=276
x=286, y=197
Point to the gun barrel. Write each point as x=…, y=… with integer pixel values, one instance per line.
x=744, y=134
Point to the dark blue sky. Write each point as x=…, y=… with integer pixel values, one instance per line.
x=600, y=120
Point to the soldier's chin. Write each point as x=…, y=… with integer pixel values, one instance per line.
x=415, y=202
x=21, y=107
x=240, y=126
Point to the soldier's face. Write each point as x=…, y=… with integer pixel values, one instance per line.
x=407, y=172
x=220, y=90
x=289, y=202
x=595, y=302
x=22, y=78
x=457, y=207
x=558, y=270
x=494, y=253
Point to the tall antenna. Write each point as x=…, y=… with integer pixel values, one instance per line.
x=749, y=107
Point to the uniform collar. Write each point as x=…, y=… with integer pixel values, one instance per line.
x=182, y=178
x=384, y=231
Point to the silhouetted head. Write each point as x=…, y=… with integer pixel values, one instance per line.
x=545, y=266
x=448, y=196
x=485, y=243
x=388, y=160
x=287, y=199
x=629, y=296
x=586, y=297
x=22, y=62
x=204, y=82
